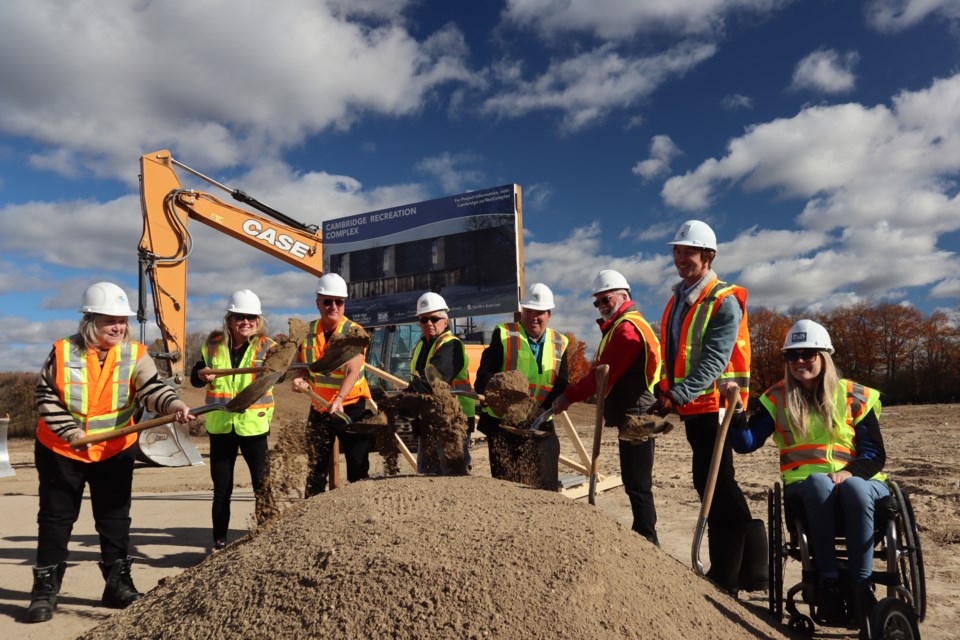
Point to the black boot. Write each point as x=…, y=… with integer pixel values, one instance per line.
x=831, y=609
x=43, y=596
x=754, y=568
x=864, y=601
x=119, y=593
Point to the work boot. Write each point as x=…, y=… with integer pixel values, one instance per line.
x=43, y=595
x=754, y=568
x=830, y=605
x=864, y=602
x=119, y=593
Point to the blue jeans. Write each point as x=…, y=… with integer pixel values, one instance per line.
x=858, y=498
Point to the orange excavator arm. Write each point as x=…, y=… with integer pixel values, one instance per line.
x=166, y=244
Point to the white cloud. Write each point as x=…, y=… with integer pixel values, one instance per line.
x=897, y=15
x=825, y=71
x=214, y=81
x=735, y=101
x=616, y=19
x=586, y=87
x=447, y=168
x=537, y=195
x=662, y=152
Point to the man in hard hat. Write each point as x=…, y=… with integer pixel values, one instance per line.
x=445, y=352
x=540, y=353
x=632, y=351
x=705, y=341
x=345, y=390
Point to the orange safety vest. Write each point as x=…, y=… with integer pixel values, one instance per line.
x=823, y=450
x=692, y=331
x=326, y=386
x=653, y=362
x=100, y=398
x=255, y=420
x=461, y=380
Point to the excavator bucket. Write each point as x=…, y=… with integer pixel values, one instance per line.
x=5, y=468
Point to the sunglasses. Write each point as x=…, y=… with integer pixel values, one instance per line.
x=605, y=300
x=431, y=320
x=244, y=316
x=796, y=355
x=329, y=302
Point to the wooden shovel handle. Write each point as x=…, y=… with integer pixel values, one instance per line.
x=603, y=375
x=206, y=371
x=135, y=428
x=389, y=377
x=717, y=455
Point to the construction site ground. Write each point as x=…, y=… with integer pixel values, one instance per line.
x=171, y=525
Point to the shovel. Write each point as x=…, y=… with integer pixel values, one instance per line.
x=711, y=482
x=324, y=402
x=239, y=403
x=603, y=374
x=540, y=419
x=216, y=373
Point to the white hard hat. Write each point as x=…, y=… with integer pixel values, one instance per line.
x=430, y=302
x=331, y=284
x=807, y=334
x=694, y=233
x=539, y=298
x=609, y=280
x=244, y=301
x=107, y=299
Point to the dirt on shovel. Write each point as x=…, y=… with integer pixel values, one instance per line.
x=341, y=348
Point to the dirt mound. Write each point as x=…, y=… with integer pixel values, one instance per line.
x=437, y=557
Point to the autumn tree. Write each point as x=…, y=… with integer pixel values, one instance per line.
x=577, y=364
x=767, y=330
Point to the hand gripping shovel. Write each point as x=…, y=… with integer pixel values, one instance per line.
x=711, y=483
x=603, y=375
x=239, y=403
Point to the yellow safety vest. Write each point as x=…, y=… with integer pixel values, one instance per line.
x=326, y=386
x=256, y=419
x=823, y=450
x=461, y=381
x=100, y=398
x=653, y=362
x=518, y=356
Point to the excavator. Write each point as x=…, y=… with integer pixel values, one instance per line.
x=164, y=249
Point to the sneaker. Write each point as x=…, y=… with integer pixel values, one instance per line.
x=219, y=545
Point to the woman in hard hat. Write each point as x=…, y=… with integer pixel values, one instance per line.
x=241, y=343
x=90, y=383
x=445, y=352
x=828, y=432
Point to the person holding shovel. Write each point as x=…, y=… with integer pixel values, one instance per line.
x=241, y=343
x=540, y=353
x=704, y=341
x=343, y=390
x=632, y=351
x=445, y=352
x=827, y=430
x=90, y=383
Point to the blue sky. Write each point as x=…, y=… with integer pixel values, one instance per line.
x=820, y=139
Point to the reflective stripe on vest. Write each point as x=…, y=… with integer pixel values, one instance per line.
x=221, y=390
x=653, y=362
x=823, y=450
x=461, y=381
x=98, y=397
x=518, y=356
x=327, y=386
x=692, y=331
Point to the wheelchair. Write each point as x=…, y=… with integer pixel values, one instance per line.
x=898, y=566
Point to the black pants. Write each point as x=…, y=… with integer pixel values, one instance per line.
x=636, y=470
x=223, y=459
x=322, y=430
x=729, y=513
x=528, y=460
x=62, y=481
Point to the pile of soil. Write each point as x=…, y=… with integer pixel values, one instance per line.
x=437, y=557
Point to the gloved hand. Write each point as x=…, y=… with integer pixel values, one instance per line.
x=420, y=384
x=663, y=406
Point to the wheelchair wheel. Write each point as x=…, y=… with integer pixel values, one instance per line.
x=774, y=552
x=893, y=619
x=910, y=554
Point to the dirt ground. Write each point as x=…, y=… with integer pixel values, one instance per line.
x=171, y=520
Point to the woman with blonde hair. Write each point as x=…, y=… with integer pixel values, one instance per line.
x=831, y=455
x=242, y=343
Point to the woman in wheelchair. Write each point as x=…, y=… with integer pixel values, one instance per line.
x=827, y=430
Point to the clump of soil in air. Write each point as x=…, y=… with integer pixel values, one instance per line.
x=280, y=357
x=443, y=426
x=288, y=471
x=432, y=557
x=340, y=348
x=507, y=394
x=643, y=427
x=385, y=441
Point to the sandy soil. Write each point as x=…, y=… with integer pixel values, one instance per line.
x=432, y=535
